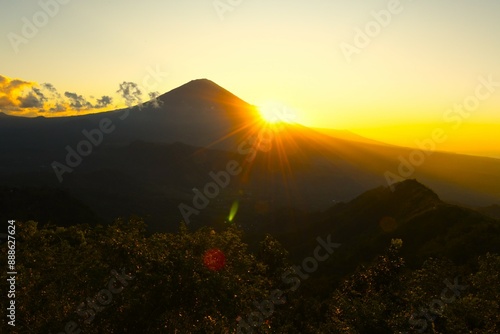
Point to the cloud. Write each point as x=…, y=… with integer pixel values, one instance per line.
x=18, y=84
x=58, y=104
x=30, y=101
x=154, y=101
x=131, y=93
x=11, y=93
x=78, y=102
x=51, y=90
x=58, y=108
x=39, y=94
x=4, y=102
x=103, y=102
x=26, y=98
x=21, y=97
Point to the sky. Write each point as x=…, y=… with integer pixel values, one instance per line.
x=391, y=70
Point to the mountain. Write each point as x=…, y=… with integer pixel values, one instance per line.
x=428, y=227
x=147, y=160
x=196, y=113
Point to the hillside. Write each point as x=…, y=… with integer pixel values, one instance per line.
x=413, y=213
x=210, y=281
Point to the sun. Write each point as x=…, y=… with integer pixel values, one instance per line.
x=275, y=113
x=268, y=115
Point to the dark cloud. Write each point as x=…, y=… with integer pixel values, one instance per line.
x=58, y=108
x=77, y=102
x=13, y=94
x=33, y=99
x=103, y=102
x=17, y=84
x=39, y=94
x=131, y=93
x=56, y=101
x=30, y=101
x=30, y=98
x=49, y=87
x=52, y=90
x=154, y=101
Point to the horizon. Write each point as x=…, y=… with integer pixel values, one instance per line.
x=367, y=133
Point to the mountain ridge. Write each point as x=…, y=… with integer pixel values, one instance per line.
x=428, y=227
x=210, y=119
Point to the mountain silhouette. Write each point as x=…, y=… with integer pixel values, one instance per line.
x=428, y=226
x=199, y=113
x=153, y=157
x=206, y=95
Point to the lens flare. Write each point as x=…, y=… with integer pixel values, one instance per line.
x=233, y=211
x=214, y=259
x=388, y=224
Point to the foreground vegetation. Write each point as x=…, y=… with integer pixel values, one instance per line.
x=119, y=279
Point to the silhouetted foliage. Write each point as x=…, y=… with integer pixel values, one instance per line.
x=206, y=281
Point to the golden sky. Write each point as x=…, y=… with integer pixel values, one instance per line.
x=389, y=70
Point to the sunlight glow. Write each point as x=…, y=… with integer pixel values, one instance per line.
x=275, y=113
x=268, y=115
